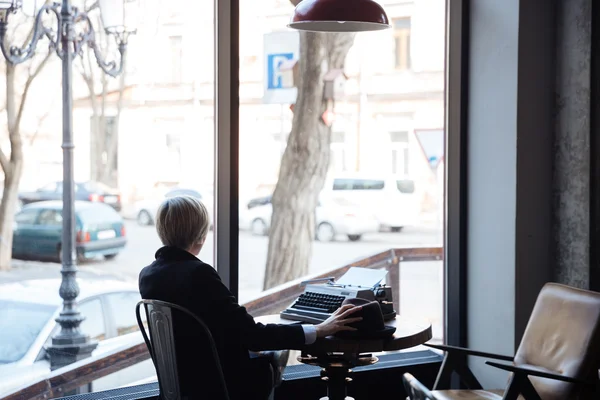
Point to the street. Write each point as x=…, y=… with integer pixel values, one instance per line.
x=421, y=282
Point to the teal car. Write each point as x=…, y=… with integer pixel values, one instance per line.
x=37, y=232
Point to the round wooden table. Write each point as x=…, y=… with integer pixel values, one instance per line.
x=337, y=356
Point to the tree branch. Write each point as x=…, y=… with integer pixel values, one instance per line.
x=91, y=7
x=39, y=125
x=114, y=137
x=14, y=134
x=4, y=162
x=27, y=86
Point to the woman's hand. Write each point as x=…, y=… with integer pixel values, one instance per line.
x=338, y=321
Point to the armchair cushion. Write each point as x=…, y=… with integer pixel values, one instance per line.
x=562, y=336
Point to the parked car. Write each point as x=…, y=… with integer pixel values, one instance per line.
x=333, y=217
x=28, y=310
x=391, y=198
x=37, y=232
x=145, y=210
x=85, y=191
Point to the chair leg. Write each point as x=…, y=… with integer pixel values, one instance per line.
x=520, y=385
x=455, y=363
x=442, y=381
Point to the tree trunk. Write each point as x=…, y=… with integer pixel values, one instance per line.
x=305, y=161
x=109, y=175
x=13, y=168
x=7, y=212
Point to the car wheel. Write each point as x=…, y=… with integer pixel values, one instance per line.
x=144, y=218
x=259, y=227
x=354, y=238
x=325, y=232
x=397, y=229
x=110, y=256
x=79, y=256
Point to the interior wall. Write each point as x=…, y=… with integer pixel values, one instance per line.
x=492, y=180
x=510, y=156
x=571, y=195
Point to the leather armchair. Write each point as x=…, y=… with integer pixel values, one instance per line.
x=558, y=357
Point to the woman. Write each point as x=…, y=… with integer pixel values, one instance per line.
x=179, y=277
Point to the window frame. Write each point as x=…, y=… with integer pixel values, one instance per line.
x=455, y=173
x=226, y=212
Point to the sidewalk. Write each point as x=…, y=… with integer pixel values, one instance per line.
x=26, y=270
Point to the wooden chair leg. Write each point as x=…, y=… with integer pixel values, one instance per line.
x=520, y=385
x=455, y=363
x=442, y=381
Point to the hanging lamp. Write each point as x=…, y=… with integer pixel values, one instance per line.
x=339, y=16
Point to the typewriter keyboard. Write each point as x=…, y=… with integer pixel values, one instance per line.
x=322, y=302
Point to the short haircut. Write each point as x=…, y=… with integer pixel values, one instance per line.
x=182, y=221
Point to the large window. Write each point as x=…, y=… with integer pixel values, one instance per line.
x=138, y=138
x=353, y=181
x=350, y=170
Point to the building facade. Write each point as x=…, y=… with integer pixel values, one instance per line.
x=394, y=88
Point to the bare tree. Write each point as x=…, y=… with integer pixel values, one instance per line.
x=12, y=160
x=104, y=136
x=305, y=161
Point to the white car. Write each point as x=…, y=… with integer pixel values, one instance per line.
x=28, y=310
x=392, y=198
x=145, y=210
x=333, y=217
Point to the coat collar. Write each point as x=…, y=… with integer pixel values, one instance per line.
x=174, y=254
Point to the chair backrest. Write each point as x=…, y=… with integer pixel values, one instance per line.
x=563, y=336
x=415, y=389
x=161, y=346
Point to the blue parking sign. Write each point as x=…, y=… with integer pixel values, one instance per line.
x=274, y=76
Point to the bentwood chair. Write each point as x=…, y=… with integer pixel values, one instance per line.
x=161, y=345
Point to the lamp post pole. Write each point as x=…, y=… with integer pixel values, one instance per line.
x=69, y=344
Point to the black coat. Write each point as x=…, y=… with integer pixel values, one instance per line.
x=178, y=277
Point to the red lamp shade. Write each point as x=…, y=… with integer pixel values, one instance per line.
x=339, y=16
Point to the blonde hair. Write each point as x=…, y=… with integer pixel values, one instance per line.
x=182, y=221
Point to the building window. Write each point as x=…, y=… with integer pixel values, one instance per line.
x=176, y=52
x=338, y=151
x=402, y=43
x=174, y=143
x=399, y=137
x=104, y=141
x=400, y=153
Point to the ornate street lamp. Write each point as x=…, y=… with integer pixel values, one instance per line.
x=71, y=31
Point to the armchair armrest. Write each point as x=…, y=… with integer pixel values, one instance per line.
x=469, y=352
x=541, y=374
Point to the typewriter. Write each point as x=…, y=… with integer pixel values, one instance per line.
x=322, y=297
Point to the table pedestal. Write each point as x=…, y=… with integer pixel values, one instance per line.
x=336, y=371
